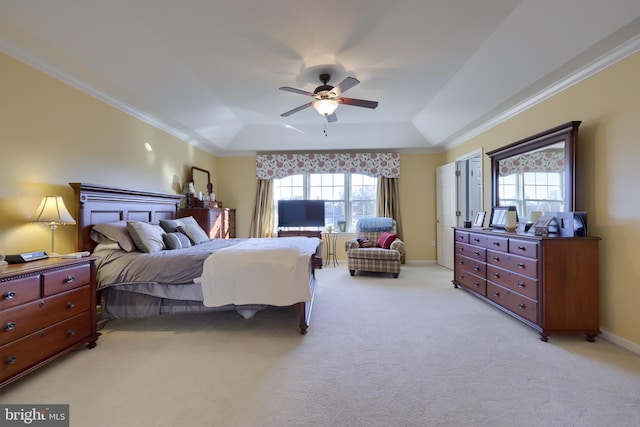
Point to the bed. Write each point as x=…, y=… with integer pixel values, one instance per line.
x=214, y=275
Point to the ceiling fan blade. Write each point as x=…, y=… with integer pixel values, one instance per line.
x=295, y=110
x=359, y=102
x=332, y=118
x=294, y=90
x=345, y=85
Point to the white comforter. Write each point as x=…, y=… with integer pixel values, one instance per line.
x=259, y=271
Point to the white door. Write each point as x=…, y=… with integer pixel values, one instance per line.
x=446, y=197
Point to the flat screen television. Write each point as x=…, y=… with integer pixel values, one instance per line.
x=300, y=213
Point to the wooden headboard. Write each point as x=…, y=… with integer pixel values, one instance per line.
x=97, y=204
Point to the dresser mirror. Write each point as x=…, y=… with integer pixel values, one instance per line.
x=537, y=174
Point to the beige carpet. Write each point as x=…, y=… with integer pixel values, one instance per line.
x=411, y=351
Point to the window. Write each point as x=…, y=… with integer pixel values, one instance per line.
x=348, y=197
x=532, y=191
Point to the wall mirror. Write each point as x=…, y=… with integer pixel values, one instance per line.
x=537, y=173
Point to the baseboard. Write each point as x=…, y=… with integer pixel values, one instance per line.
x=421, y=262
x=626, y=344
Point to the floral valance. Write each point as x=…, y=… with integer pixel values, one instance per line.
x=540, y=161
x=270, y=166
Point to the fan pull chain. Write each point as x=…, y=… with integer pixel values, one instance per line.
x=325, y=129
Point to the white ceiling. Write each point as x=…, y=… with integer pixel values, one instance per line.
x=208, y=72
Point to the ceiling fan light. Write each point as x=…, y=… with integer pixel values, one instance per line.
x=326, y=107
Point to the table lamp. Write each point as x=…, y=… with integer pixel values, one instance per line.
x=52, y=211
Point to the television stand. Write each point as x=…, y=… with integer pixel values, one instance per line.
x=317, y=260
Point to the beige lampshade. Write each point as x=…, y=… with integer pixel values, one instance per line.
x=52, y=211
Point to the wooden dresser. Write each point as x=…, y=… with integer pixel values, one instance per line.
x=549, y=283
x=218, y=223
x=47, y=309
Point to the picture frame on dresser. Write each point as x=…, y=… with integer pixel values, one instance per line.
x=479, y=219
x=499, y=216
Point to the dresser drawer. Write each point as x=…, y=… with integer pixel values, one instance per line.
x=19, y=291
x=514, y=302
x=461, y=236
x=515, y=282
x=495, y=243
x=38, y=346
x=19, y=321
x=65, y=279
x=475, y=283
x=517, y=264
x=471, y=265
x=475, y=252
x=523, y=248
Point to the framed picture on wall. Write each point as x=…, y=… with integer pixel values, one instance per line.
x=479, y=219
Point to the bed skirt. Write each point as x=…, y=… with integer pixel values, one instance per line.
x=124, y=304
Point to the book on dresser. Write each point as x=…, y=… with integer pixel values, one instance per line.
x=548, y=282
x=218, y=222
x=47, y=309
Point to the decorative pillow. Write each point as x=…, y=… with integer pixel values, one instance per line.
x=116, y=231
x=176, y=240
x=147, y=237
x=386, y=239
x=364, y=242
x=170, y=225
x=193, y=230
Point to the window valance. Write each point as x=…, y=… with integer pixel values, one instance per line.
x=539, y=161
x=271, y=166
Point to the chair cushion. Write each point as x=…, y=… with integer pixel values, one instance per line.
x=373, y=254
x=386, y=239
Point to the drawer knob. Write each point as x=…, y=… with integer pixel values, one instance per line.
x=71, y=332
x=496, y=258
x=9, y=295
x=520, y=265
x=521, y=284
x=476, y=284
x=476, y=240
x=496, y=243
x=476, y=268
x=522, y=306
x=521, y=248
x=476, y=253
x=496, y=275
x=69, y=279
x=10, y=360
x=10, y=326
x=496, y=294
x=71, y=304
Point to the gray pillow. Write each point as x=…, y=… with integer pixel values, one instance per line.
x=176, y=240
x=116, y=231
x=147, y=237
x=170, y=225
x=194, y=233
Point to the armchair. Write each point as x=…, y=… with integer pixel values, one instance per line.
x=368, y=252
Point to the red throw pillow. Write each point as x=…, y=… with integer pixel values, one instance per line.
x=386, y=239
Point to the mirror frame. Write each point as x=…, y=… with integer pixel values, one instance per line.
x=567, y=133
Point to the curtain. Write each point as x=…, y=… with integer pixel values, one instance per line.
x=389, y=202
x=262, y=220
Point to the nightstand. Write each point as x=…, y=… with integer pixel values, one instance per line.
x=47, y=309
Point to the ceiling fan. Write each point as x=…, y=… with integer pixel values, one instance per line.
x=327, y=97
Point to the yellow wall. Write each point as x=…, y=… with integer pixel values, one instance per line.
x=52, y=134
x=608, y=104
